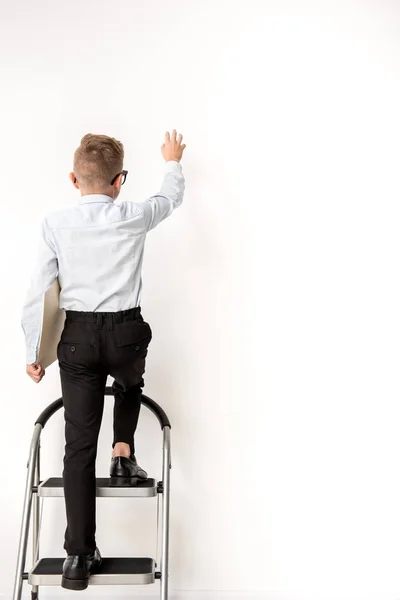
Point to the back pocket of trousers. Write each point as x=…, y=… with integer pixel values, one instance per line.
x=132, y=333
x=77, y=344
x=76, y=353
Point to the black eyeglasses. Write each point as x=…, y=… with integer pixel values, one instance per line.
x=124, y=174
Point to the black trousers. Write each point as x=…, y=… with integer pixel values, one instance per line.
x=92, y=346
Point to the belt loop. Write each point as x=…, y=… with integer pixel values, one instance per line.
x=99, y=320
x=110, y=322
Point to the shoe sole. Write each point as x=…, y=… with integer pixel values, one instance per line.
x=125, y=481
x=74, y=584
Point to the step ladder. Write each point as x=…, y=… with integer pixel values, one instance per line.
x=114, y=571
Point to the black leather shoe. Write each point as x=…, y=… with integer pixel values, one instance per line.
x=77, y=569
x=126, y=472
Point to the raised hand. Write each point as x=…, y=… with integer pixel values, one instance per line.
x=172, y=149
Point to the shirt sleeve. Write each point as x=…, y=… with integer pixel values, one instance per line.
x=159, y=207
x=44, y=275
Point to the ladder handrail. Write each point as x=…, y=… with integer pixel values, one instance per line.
x=146, y=401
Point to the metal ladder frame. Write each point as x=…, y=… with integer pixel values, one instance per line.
x=31, y=498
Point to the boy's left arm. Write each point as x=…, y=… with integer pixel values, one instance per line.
x=45, y=274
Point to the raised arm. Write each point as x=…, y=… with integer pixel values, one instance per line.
x=160, y=206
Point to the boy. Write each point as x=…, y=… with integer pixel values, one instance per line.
x=95, y=250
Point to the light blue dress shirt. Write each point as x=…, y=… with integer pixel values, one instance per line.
x=95, y=249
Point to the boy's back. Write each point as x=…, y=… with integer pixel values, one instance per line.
x=99, y=245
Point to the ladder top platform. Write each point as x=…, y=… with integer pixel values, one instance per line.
x=53, y=487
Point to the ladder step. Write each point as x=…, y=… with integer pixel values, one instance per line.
x=53, y=487
x=113, y=571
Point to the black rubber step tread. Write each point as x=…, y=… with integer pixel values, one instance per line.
x=109, y=566
x=57, y=482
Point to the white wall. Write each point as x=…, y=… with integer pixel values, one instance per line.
x=273, y=292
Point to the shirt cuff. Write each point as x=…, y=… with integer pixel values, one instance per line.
x=31, y=355
x=173, y=165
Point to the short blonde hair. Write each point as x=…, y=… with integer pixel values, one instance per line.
x=98, y=160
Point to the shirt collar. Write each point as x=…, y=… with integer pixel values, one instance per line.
x=89, y=198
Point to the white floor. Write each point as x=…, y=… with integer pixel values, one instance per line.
x=137, y=594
